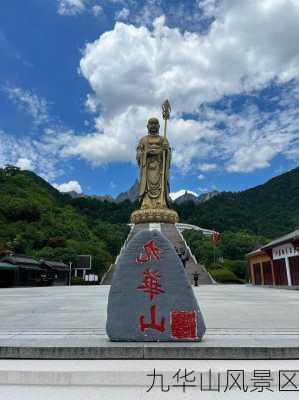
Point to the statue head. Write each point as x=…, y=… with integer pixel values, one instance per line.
x=153, y=126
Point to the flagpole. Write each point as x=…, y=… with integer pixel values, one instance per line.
x=215, y=239
x=214, y=246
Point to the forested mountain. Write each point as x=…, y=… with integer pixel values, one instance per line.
x=37, y=220
x=271, y=209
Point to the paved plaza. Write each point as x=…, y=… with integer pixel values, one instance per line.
x=69, y=322
x=53, y=345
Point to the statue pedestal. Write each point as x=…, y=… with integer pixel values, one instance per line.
x=154, y=215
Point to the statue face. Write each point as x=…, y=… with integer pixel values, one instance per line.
x=153, y=126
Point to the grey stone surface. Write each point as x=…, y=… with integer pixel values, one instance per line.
x=164, y=311
x=61, y=322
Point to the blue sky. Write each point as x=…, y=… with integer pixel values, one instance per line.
x=80, y=78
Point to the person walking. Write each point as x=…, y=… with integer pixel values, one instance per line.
x=184, y=257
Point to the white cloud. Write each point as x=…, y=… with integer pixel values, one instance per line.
x=179, y=193
x=182, y=14
x=201, y=177
x=209, y=7
x=12, y=150
x=249, y=45
x=25, y=164
x=206, y=167
x=71, y=7
x=122, y=14
x=71, y=186
x=116, y=138
x=97, y=10
x=191, y=68
x=41, y=155
x=29, y=102
x=145, y=14
x=252, y=138
x=132, y=70
x=193, y=13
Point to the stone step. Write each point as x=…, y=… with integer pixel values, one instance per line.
x=203, y=277
x=133, y=380
x=172, y=234
x=130, y=372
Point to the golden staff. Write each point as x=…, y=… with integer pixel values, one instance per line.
x=166, y=109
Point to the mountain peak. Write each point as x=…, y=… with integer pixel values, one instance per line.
x=132, y=194
x=180, y=193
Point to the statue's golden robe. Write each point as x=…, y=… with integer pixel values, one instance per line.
x=153, y=157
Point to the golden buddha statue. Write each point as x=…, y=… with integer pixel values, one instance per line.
x=153, y=158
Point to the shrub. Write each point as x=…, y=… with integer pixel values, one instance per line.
x=238, y=267
x=224, y=276
x=76, y=280
x=214, y=267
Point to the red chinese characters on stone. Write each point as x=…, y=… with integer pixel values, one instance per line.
x=153, y=323
x=151, y=283
x=151, y=286
x=183, y=324
x=150, y=251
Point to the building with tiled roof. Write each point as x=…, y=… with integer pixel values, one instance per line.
x=276, y=263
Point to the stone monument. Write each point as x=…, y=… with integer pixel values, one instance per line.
x=150, y=299
x=154, y=158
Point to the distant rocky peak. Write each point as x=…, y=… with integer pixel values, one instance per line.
x=207, y=196
x=180, y=193
x=74, y=194
x=186, y=197
x=132, y=194
x=191, y=196
x=180, y=197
